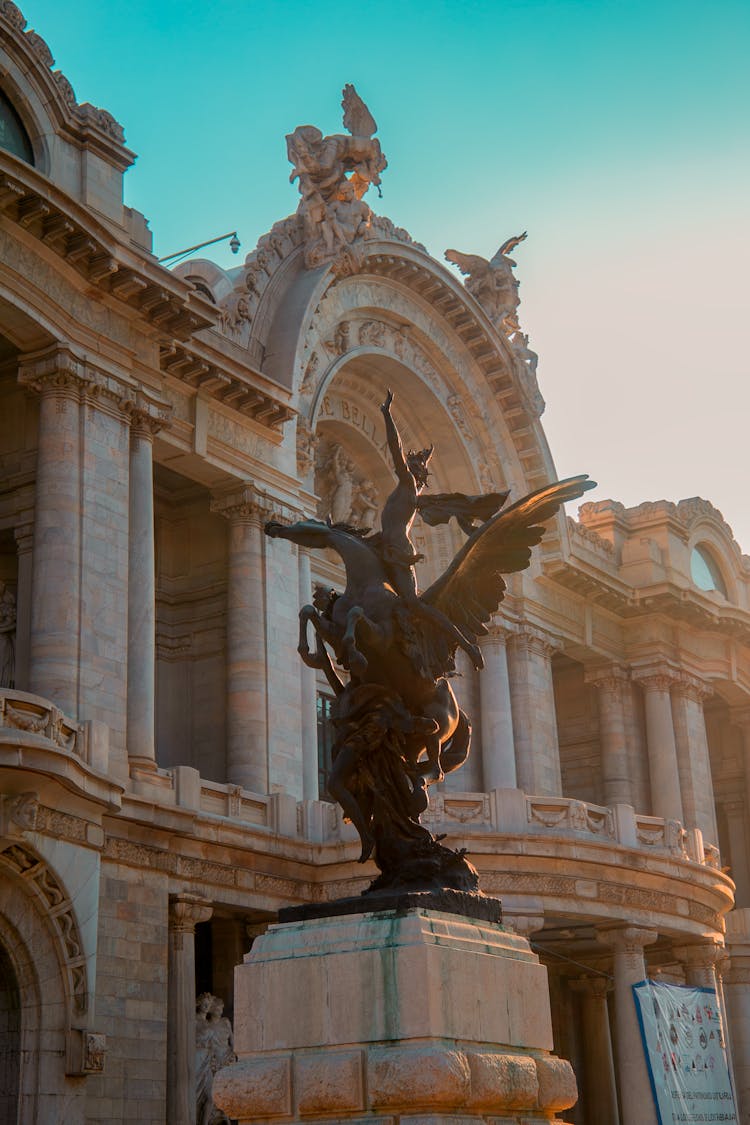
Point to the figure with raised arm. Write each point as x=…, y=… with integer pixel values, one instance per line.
x=396, y=521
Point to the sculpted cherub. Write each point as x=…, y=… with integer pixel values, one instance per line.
x=492, y=282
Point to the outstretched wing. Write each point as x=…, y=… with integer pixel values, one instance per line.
x=509, y=244
x=472, y=587
x=357, y=118
x=438, y=507
x=467, y=263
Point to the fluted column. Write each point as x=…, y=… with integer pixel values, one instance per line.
x=56, y=563
x=498, y=748
x=247, y=723
x=24, y=536
x=185, y=912
x=636, y=1099
x=141, y=705
x=666, y=800
x=532, y=700
x=308, y=695
x=693, y=757
x=599, y=1068
x=611, y=684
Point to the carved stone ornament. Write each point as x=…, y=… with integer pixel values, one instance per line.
x=334, y=173
x=214, y=1049
x=495, y=287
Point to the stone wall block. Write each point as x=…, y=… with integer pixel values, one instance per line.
x=329, y=1082
x=557, y=1084
x=502, y=1081
x=259, y=1087
x=418, y=1077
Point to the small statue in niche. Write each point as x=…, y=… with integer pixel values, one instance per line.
x=7, y=636
x=493, y=283
x=214, y=1047
x=365, y=506
x=340, y=502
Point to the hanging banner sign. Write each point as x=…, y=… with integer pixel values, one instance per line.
x=687, y=1060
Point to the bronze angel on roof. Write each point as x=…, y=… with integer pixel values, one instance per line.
x=398, y=725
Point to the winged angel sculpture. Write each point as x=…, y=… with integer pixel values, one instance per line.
x=493, y=282
x=334, y=174
x=398, y=725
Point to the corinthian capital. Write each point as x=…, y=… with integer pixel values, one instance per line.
x=245, y=502
x=186, y=911
x=627, y=939
x=54, y=371
x=607, y=677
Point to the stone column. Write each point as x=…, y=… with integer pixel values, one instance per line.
x=56, y=563
x=693, y=757
x=599, y=1068
x=141, y=705
x=740, y=717
x=737, y=993
x=612, y=684
x=498, y=748
x=308, y=694
x=24, y=535
x=247, y=723
x=532, y=700
x=185, y=911
x=636, y=1100
x=666, y=800
x=735, y=818
x=699, y=960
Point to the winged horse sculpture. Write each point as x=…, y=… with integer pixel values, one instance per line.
x=399, y=727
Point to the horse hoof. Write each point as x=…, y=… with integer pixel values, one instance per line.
x=368, y=843
x=475, y=655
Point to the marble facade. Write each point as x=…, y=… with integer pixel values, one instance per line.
x=160, y=796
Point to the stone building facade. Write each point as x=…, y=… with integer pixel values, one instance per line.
x=162, y=750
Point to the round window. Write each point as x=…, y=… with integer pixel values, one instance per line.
x=705, y=572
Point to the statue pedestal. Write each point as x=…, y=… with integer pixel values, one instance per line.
x=415, y=1014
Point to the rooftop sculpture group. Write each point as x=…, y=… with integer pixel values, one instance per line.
x=398, y=725
x=334, y=174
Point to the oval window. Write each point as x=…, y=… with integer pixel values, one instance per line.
x=13, y=136
x=705, y=572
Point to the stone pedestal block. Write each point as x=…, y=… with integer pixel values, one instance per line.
x=393, y=1015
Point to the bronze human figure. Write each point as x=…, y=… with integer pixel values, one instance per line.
x=398, y=725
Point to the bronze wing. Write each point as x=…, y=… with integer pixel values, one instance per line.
x=472, y=587
x=438, y=507
x=357, y=118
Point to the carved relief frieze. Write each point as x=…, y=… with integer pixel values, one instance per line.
x=346, y=494
x=36, y=716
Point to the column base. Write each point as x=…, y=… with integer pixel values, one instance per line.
x=415, y=1015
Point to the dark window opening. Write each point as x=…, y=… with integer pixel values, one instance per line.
x=326, y=735
x=13, y=136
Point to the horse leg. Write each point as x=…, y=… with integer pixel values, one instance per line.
x=354, y=660
x=321, y=660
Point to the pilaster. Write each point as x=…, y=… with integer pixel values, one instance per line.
x=24, y=536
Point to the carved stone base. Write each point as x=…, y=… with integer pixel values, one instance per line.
x=416, y=1014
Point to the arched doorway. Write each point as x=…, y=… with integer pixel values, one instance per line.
x=10, y=1040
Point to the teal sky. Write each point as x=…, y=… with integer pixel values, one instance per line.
x=616, y=133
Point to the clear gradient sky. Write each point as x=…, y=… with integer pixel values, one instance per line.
x=616, y=132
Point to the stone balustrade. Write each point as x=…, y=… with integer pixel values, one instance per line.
x=21, y=711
